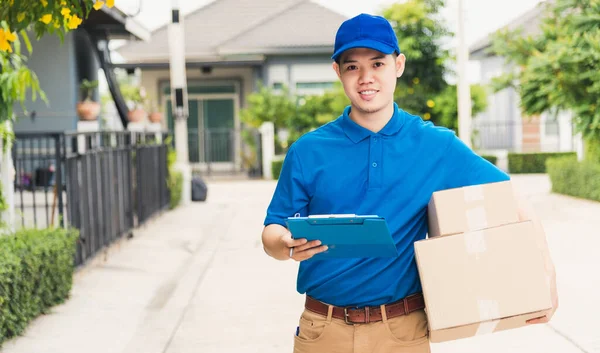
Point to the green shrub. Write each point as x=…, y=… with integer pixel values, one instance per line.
x=175, y=185
x=174, y=177
x=570, y=177
x=276, y=168
x=533, y=162
x=490, y=158
x=36, y=273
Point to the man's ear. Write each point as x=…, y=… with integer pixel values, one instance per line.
x=400, y=65
x=336, y=68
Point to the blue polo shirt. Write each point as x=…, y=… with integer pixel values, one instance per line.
x=342, y=167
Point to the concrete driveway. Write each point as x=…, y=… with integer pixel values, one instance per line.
x=197, y=280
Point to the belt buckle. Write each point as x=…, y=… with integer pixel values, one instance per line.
x=346, y=315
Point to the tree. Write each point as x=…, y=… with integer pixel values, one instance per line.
x=423, y=89
x=420, y=30
x=558, y=69
x=41, y=17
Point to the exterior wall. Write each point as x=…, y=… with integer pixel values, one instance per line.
x=155, y=80
x=55, y=65
x=293, y=70
x=503, y=127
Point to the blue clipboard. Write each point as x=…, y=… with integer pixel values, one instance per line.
x=347, y=236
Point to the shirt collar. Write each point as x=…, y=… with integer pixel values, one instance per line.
x=357, y=133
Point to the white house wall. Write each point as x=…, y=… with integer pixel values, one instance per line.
x=290, y=71
x=151, y=80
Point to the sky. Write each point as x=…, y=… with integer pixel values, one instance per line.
x=481, y=16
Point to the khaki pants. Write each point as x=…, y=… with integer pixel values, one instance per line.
x=320, y=334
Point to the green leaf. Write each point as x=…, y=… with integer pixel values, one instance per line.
x=25, y=37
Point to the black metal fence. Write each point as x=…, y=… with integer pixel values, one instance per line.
x=102, y=183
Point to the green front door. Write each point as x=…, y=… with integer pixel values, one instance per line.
x=219, y=131
x=211, y=134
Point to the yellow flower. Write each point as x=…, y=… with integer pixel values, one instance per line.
x=63, y=3
x=57, y=24
x=4, y=44
x=110, y=3
x=44, y=2
x=430, y=103
x=416, y=80
x=410, y=91
x=98, y=5
x=65, y=12
x=46, y=18
x=427, y=116
x=74, y=22
x=21, y=17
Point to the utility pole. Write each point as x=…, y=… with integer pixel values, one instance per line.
x=463, y=87
x=179, y=99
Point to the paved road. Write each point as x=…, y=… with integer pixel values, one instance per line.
x=197, y=280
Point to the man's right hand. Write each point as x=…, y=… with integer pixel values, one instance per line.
x=301, y=249
x=278, y=241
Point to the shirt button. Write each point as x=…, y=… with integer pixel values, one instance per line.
x=374, y=139
x=374, y=165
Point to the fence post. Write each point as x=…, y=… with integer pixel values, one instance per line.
x=267, y=130
x=7, y=175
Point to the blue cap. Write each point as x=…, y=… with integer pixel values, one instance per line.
x=366, y=31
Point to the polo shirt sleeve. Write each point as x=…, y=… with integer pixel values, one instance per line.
x=463, y=167
x=291, y=196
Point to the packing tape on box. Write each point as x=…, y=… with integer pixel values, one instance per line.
x=489, y=312
x=476, y=218
x=475, y=242
x=473, y=193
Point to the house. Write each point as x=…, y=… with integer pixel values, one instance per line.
x=231, y=47
x=502, y=126
x=62, y=65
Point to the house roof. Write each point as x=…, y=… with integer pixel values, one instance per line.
x=115, y=24
x=529, y=24
x=226, y=30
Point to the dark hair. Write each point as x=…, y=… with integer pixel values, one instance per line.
x=394, y=54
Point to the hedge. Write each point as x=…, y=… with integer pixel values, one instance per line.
x=175, y=186
x=570, y=177
x=36, y=273
x=276, y=168
x=490, y=158
x=533, y=162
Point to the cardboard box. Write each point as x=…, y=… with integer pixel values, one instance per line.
x=470, y=208
x=482, y=281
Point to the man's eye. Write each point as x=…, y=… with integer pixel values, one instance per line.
x=350, y=67
x=378, y=64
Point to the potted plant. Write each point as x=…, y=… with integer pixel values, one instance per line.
x=156, y=113
x=87, y=109
x=135, y=98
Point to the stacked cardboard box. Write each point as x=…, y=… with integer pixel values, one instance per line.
x=481, y=268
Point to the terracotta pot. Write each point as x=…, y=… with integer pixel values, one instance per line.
x=88, y=110
x=136, y=115
x=155, y=117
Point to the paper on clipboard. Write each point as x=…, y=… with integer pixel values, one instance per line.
x=346, y=235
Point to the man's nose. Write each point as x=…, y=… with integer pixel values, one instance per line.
x=366, y=76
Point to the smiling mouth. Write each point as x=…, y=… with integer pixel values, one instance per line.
x=368, y=93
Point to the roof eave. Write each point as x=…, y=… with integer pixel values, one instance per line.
x=278, y=50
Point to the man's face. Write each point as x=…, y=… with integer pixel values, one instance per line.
x=369, y=78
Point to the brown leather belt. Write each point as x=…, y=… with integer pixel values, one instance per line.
x=353, y=315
